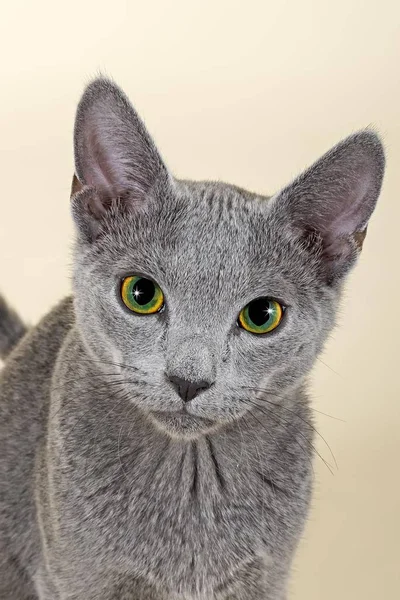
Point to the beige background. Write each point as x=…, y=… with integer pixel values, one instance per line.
x=249, y=92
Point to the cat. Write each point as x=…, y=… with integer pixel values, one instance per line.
x=156, y=438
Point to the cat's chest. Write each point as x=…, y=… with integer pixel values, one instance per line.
x=199, y=507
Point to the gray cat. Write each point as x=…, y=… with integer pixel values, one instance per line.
x=155, y=436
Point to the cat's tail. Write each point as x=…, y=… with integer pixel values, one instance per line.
x=12, y=329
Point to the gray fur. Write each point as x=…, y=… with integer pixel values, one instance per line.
x=12, y=329
x=108, y=491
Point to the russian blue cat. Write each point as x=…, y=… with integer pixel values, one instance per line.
x=156, y=440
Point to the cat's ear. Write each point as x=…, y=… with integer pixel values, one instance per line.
x=330, y=204
x=116, y=161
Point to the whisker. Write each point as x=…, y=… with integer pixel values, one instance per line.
x=112, y=410
x=304, y=421
x=103, y=362
x=307, y=423
x=326, y=415
x=328, y=367
x=84, y=378
x=119, y=381
x=105, y=392
x=282, y=397
x=270, y=413
x=305, y=453
x=89, y=409
x=268, y=480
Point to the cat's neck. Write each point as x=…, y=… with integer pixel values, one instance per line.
x=276, y=424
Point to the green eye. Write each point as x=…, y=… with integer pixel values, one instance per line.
x=142, y=295
x=261, y=315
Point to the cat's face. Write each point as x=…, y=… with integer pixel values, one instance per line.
x=210, y=250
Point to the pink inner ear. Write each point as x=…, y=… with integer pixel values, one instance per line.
x=335, y=198
x=350, y=210
x=102, y=170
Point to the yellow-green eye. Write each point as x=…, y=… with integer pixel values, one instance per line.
x=261, y=315
x=142, y=295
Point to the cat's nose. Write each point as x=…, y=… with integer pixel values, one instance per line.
x=186, y=389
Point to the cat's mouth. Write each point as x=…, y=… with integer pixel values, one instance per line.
x=181, y=423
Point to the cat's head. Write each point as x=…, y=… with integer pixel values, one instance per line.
x=203, y=296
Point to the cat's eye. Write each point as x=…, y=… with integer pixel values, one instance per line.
x=142, y=295
x=261, y=315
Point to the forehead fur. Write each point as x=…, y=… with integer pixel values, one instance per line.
x=208, y=236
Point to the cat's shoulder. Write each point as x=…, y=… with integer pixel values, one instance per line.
x=36, y=353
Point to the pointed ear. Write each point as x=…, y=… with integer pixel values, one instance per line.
x=330, y=204
x=116, y=160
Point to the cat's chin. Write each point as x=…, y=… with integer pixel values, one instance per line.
x=182, y=424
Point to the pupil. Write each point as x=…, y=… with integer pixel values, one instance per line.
x=258, y=312
x=143, y=291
